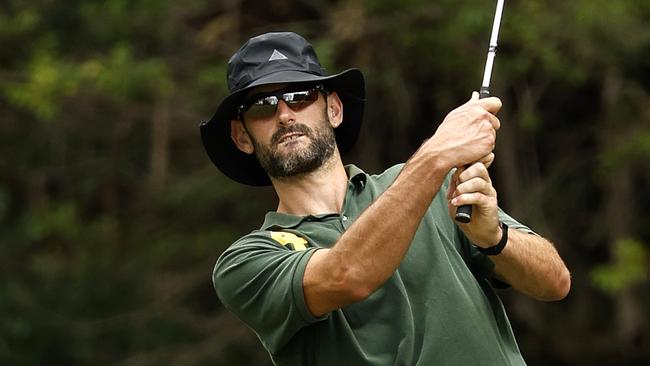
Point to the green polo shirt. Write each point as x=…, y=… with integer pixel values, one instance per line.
x=438, y=308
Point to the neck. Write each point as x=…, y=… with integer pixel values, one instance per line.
x=318, y=192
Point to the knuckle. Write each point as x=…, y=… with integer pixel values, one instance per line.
x=497, y=122
x=489, y=201
x=459, y=190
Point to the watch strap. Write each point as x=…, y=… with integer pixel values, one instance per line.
x=497, y=249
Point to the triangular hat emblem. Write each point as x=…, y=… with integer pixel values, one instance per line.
x=277, y=55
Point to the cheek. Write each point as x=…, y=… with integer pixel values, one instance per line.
x=261, y=132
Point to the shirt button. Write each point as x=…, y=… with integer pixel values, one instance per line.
x=344, y=218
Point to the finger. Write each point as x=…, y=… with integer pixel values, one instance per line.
x=491, y=104
x=473, y=98
x=484, y=114
x=487, y=160
x=475, y=198
x=475, y=170
x=475, y=185
x=494, y=121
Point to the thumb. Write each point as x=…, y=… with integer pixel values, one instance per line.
x=474, y=98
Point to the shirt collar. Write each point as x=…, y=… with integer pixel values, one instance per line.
x=356, y=177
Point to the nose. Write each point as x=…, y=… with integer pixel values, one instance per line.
x=284, y=113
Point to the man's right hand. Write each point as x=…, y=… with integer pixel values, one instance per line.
x=468, y=133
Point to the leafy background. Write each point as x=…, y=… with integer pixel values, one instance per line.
x=111, y=215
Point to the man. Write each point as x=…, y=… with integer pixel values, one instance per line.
x=358, y=269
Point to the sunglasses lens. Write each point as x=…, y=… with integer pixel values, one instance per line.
x=259, y=111
x=300, y=99
x=261, y=108
x=265, y=107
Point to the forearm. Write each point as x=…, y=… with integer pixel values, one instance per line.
x=368, y=253
x=532, y=265
x=395, y=215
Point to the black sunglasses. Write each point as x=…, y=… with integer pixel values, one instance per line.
x=264, y=105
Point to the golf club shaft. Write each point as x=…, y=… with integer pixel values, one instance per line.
x=464, y=213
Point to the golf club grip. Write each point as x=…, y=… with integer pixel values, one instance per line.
x=484, y=92
x=464, y=212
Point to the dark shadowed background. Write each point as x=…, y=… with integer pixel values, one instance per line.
x=112, y=216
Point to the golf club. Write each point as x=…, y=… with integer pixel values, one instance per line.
x=464, y=213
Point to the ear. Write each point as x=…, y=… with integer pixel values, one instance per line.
x=240, y=136
x=334, y=109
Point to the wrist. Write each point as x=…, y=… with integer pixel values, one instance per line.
x=428, y=163
x=498, y=247
x=438, y=159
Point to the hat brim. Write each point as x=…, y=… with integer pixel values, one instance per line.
x=244, y=168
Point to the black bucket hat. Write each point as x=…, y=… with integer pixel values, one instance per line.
x=268, y=59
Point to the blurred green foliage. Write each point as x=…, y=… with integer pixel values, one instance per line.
x=629, y=268
x=47, y=81
x=112, y=216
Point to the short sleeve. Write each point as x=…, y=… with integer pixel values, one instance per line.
x=514, y=224
x=261, y=282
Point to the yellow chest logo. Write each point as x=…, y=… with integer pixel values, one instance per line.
x=289, y=240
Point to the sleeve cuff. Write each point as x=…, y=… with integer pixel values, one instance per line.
x=298, y=291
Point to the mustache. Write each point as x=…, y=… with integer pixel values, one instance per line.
x=296, y=127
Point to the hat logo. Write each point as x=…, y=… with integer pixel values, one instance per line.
x=277, y=55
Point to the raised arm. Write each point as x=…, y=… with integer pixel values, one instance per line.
x=529, y=263
x=363, y=259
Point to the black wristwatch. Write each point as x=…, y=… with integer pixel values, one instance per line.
x=494, y=250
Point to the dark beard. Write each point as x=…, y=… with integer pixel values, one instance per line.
x=322, y=142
